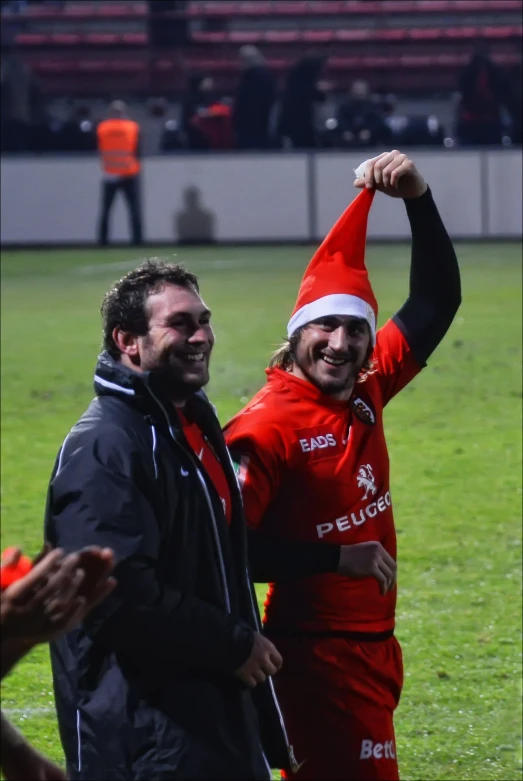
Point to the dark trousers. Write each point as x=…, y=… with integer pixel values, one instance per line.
x=130, y=187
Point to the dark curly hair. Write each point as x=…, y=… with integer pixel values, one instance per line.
x=284, y=356
x=124, y=305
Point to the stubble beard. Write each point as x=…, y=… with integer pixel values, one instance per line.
x=169, y=373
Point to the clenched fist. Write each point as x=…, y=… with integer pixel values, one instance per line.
x=368, y=560
x=264, y=660
x=392, y=173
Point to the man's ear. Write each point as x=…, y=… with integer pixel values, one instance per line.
x=127, y=343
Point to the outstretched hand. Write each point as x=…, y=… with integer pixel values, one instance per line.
x=56, y=594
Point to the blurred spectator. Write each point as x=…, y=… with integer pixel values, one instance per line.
x=515, y=106
x=77, y=134
x=22, y=103
x=484, y=91
x=255, y=97
x=199, y=96
x=167, y=23
x=215, y=125
x=171, y=138
x=14, y=6
x=303, y=90
x=118, y=144
x=361, y=119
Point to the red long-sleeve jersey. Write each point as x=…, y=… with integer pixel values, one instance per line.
x=316, y=469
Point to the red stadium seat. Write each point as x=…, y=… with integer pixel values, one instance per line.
x=127, y=66
x=391, y=61
x=317, y=36
x=51, y=66
x=301, y=7
x=401, y=6
x=79, y=9
x=101, y=39
x=426, y=34
x=245, y=36
x=461, y=32
x=210, y=37
x=432, y=5
x=325, y=7
x=37, y=11
x=79, y=39
x=254, y=8
x=281, y=36
x=135, y=39
x=389, y=35
x=344, y=63
x=93, y=66
x=65, y=39
x=487, y=5
x=122, y=9
x=127, y=10
x=352, y=35
x=502, y=32
x=163, y=65
x=356, y=7
x=294, y=8
x=212, y=9
x=31, y=39
x=85, y=10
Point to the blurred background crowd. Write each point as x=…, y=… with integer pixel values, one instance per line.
x=262, y=74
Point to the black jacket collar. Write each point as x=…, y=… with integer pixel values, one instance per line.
x=112, y=378
x=144, y=391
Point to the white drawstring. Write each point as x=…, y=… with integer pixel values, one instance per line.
x=155, y=441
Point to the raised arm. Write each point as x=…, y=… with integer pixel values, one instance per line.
x=435, y=286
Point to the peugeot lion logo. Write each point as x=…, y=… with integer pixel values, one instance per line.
x=365, y=480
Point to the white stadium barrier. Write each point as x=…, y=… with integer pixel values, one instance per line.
x=252, y=197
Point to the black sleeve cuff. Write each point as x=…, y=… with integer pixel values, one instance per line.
x=273, y=560
x=421, y=204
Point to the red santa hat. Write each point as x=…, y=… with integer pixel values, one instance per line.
x=336, y=280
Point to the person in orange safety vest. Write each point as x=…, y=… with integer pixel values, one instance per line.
x=118, y=140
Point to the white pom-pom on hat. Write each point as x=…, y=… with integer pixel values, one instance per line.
x=361, y=170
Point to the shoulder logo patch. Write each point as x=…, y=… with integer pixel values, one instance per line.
x=364, y=411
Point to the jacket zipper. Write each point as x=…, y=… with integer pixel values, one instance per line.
x=209, y=504
x=216, y=537
x=290, y=750
x=224, y=578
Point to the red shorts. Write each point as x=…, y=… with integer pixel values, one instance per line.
x=338, y=697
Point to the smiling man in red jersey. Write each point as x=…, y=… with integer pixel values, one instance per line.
x=313, y=465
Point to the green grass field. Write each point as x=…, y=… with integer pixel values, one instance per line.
x=455, y=444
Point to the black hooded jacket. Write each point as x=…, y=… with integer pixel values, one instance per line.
x=145, y=687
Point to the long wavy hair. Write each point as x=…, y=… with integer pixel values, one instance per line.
x=284, y=357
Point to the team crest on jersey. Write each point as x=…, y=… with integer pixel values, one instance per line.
x=365, y=479
x=364, y=411
x=240, y=469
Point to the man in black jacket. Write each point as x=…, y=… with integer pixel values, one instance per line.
x=156, y=683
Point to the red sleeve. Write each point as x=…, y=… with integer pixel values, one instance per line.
x=396, y=363
x=258, y=456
